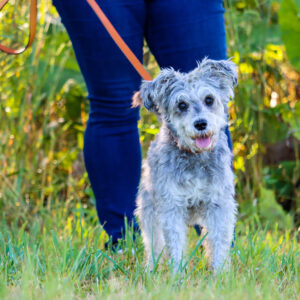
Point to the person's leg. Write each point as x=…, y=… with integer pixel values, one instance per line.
x=111, y=146
x=180, y=33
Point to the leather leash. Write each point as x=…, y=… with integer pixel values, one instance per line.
x=104, y=20
x=32, y=28
x=119, y=41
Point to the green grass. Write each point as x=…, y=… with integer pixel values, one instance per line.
x=61, y=256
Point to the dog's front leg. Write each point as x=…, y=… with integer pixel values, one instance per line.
x=220, y=227
x=175, y=230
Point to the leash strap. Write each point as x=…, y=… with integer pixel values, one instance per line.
x=32, y=28
x=104, y=20
x=119, y=41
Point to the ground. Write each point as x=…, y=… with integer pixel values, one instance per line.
x=62, y=256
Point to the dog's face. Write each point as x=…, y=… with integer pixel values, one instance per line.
x=193, y=105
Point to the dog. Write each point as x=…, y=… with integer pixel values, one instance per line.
x=187, y=177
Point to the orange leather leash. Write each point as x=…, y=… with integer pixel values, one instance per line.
x=119, y=41
x=104, y=20
x=32, y=28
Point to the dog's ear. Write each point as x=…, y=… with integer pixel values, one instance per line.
x=222, y=73
x=140, y=99
x=136, y=99
x=152, y=93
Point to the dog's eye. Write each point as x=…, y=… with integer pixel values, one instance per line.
x=182, y=106
x=209, y=100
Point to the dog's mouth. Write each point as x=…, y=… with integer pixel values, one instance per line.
x=200, y=143
x=204, y=141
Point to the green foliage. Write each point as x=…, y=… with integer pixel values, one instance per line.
x=271, y=211
x=289, y=18
x=42, y=115
x=265, y=108
x=284, y=180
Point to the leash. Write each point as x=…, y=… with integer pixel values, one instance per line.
x=119, y=41
x=32, y=28
x=104, y=20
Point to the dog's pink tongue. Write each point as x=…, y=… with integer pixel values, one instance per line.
x=203, y=142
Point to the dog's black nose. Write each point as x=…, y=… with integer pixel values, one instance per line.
x=200, y=124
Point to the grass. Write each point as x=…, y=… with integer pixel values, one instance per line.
x=61, y=256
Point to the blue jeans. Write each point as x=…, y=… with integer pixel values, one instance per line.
x=179, y=33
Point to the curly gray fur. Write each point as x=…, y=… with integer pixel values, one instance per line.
x=184, y=184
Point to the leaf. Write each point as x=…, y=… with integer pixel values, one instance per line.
x=271, y=211
x=298, y=5
x=292, y=117
x=74, y=97
x=289, y=20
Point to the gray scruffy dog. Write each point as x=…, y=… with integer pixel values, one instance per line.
x=187, y=178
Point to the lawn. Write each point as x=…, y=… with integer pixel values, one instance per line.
x=62, y=256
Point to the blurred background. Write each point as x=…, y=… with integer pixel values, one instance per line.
x=43, y=114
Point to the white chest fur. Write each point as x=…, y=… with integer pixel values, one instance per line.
x=189, y=193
